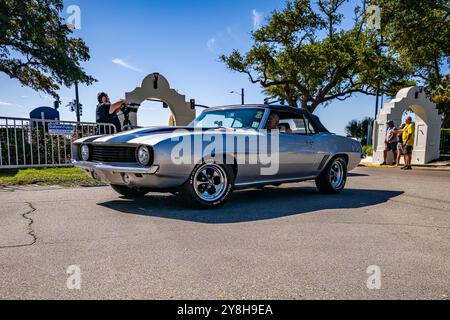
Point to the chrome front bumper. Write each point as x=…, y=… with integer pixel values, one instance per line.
x=136, y=169
x=130, y=174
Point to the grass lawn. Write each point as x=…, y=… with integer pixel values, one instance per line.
x=68, y=177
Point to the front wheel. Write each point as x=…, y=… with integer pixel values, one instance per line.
x=130, y=192
x=333, y=177
x=208, y=186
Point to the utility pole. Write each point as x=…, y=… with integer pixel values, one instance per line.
x=378, y=78
x=242, y=94
x=77, y=102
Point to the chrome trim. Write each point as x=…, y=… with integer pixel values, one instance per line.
x=257, y=183
x=115, y=169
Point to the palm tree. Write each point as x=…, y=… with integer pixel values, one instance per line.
x=358, y=129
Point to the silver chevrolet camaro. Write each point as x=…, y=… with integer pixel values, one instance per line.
x=225, y=148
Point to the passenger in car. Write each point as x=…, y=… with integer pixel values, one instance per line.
x=273, y=123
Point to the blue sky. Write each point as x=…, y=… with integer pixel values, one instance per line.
x=180, y=39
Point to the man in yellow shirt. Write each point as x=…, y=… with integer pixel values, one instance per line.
x=408, y=142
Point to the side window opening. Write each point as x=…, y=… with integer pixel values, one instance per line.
x=301, y=127
x=310, y=126
x=295, y=122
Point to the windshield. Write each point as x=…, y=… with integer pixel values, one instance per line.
x=248, y=118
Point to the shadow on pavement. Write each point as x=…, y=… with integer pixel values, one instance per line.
x=253, y=205
x=352, y=174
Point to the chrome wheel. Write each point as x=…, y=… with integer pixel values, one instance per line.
x=210, y=182
x=337, y=174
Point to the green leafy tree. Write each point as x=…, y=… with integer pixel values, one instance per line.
x=359, y=129
x=419, y=32
x=36, y=47
x=303, y=55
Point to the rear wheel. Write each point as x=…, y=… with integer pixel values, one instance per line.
x=130, y=192
x=333, y=177
x=208, y=186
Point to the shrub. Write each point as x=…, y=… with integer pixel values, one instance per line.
x=368, y=150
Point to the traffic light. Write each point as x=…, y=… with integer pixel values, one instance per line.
x=192, y=104
x=56, y=104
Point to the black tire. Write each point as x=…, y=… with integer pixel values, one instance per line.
x=130, y=192
x=223, y=188
x=331, y=182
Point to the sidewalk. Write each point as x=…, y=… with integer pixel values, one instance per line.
x=438, y=165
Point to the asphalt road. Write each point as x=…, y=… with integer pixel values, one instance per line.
x=288, y=242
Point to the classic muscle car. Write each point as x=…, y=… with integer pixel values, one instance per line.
x=225, y=148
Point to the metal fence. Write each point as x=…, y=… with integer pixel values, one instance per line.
x=33, y=143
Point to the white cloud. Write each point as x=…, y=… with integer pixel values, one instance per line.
x=257, y=19
x=126, y=65
x=229, y=31
x=8, y=104
x=211, y=44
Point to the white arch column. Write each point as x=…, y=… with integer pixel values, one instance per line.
x=427, y=122
x=156, y=86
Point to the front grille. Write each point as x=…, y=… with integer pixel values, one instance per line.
x=113, y=154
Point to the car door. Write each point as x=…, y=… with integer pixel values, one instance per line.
x=297, y=156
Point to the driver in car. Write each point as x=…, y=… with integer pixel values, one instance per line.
x=107, y=112
x=273, y=123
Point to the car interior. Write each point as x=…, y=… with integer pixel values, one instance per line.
x=293, y=123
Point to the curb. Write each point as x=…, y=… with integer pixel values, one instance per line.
x=415, y=166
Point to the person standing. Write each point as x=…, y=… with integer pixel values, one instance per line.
x=391, y=142
x=408, y=142
x=400, y=150
x=107, y=113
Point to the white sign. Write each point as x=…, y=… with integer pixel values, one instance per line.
x=56, y=129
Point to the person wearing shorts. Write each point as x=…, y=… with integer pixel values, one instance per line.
x=400, y=149
x=408, y=142
x=391, y=142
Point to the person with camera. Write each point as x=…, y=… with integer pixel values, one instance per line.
x=107, y=113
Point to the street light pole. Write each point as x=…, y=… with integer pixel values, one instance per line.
x=242, y=94
x=77, y=102
x=378, y=78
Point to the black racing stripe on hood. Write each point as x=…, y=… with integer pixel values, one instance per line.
x=124, y=138
x=92, y=139
x=148, y=131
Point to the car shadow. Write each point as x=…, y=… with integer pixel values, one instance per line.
x=252, y=205
x=352, y=174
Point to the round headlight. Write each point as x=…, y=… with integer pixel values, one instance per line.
x=143, y=155
x=85, y=152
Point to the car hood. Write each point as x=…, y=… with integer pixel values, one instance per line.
x=154, y=135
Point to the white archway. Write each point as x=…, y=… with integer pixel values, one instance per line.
x=428, y=124
x=156, y=86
